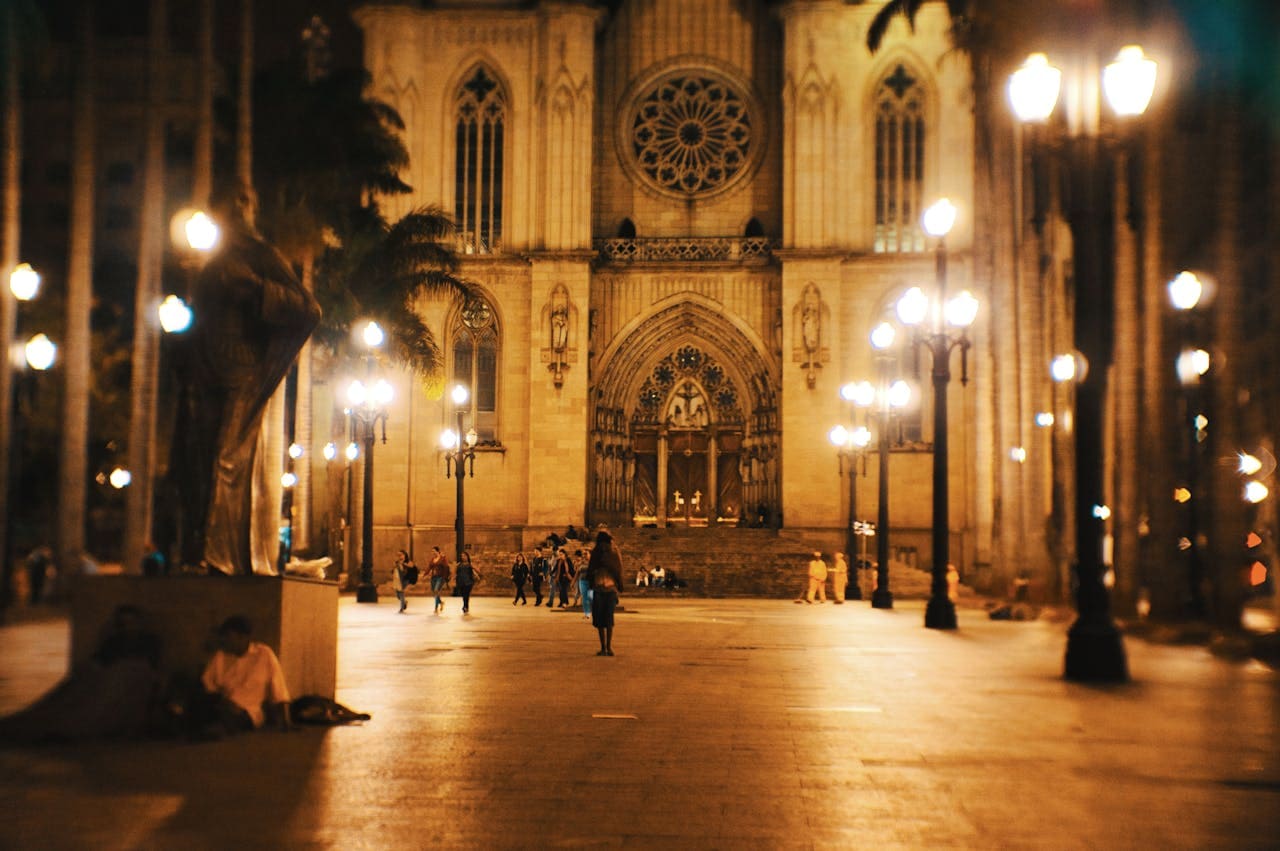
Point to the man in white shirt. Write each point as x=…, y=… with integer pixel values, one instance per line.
x=246, y=680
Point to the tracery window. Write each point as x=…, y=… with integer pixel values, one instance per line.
x=480, y=116
x=900, y=137
x=475, y=364
x=691, y=134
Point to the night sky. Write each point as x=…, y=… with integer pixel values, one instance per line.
x=279, y=24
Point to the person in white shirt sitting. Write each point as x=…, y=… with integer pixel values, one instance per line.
x=657, y=577
x=244, y=683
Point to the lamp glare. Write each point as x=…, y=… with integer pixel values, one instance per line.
x=1129, y=81
x=1033, y=89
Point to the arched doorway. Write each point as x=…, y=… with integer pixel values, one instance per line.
x=687, y=436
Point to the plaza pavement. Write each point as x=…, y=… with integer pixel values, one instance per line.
x=718, y=724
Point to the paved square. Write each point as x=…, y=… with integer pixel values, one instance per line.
x=719, y=724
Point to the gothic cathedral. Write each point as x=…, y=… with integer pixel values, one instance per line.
x=684, y=218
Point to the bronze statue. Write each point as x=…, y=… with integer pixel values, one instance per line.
x=251, y=318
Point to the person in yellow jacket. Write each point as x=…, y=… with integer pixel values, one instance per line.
x=817, y=579
x=839, y=578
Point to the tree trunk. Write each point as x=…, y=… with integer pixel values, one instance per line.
x=202, y=159
x=146, y=329
x=1227, y=525
x=8, y=260
x=302, y=429
x=73, y=463
x=244, y=118
x=1125, y=398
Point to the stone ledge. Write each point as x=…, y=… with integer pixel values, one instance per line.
x=297, y=618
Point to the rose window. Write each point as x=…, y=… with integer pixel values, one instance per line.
x=691, y=134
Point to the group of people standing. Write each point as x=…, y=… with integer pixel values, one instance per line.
x=817, y=579
x=555, y=570
x=597, y=582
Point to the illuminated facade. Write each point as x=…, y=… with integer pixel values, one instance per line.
x=684, y=219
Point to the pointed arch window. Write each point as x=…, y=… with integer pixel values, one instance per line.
x=475, y=363
x=479, y=118
x=900, y=138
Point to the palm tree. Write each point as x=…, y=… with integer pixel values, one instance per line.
x=319, y=205
x=381, y=272
x=73, y=460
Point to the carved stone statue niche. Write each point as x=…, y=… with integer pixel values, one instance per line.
x=251, y=318
x=808, y=319
x=559, y=319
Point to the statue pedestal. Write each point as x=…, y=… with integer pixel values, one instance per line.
x=297, y=618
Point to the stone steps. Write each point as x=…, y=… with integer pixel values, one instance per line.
x=720, y=562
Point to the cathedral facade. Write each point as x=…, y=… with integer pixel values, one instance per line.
x=683, y=220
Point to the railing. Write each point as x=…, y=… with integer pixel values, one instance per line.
x=733, y=249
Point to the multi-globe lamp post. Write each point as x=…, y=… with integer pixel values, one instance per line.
x=369, y=402
x=940, y=325
x=888, y=397
x=460, y=460
x=851, y=445
x=1095, y=651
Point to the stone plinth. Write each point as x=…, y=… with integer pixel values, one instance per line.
x=297, y=618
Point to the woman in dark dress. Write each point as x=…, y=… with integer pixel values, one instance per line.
x=519, y=576
x=604, y=575
x=464, y=577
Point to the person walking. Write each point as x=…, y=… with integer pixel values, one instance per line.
x=519, y=576
x=465, y=579
x=839, y=578
x=604, y=577
x=439, y=568
x=817, y=579
x=399, y=579
x=541, y=570
x=584, y=588
x=562, y=573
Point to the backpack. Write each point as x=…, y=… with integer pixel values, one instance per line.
x=410, y=575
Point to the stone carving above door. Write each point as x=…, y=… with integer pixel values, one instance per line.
x=688, y=389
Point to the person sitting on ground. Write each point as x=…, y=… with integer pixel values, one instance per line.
x=642, y=577
x=111, y=695
x=572, y=533
x=243, y=682
x=657, y=576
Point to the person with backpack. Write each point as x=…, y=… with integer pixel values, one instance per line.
x=519, y=576
x=403, y=574
x=604, y=576
x=562, y=574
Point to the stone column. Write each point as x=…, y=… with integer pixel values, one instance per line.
x=663, y=453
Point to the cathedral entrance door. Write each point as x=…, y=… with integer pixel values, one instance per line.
x=688, y=497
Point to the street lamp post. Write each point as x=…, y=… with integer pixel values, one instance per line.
x=369, y=406
x=1095, y=651
x=888, y=397
x=852, y=444
x=959, y=312
x=460, y=460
